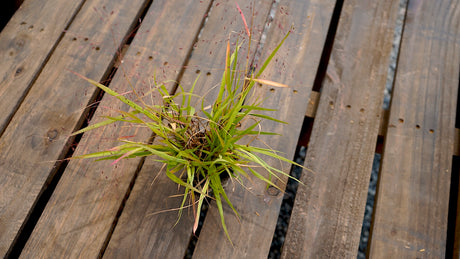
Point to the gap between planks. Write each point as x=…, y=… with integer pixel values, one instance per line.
x=384, y=116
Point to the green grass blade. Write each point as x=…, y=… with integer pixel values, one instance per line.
x=267, y=118
x=200, y=204
x=97, y=125
x=221, y=213
x=270, y=57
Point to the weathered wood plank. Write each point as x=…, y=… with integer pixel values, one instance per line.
x=413, y=193
x=79, y=217
x=328, y=211
x=25, y=44
x=295, y=65
x=142, y=231
x=38, y=135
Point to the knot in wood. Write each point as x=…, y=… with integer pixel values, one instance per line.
x=273, y=191
x=52, y=134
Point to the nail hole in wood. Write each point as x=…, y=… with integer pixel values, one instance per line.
x=165, y=64
x=294, y=91
x=272, y=90
x=98, y=48
x=150, y=57
x=361, y=110
x=417, y=126
x=19, y=71
x=208, y=74
x=401, y=120
x=431, y=131
x=331, y=104
x=348, y=106
x=197, y=71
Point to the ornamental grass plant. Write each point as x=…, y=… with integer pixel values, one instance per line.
x=201, y=146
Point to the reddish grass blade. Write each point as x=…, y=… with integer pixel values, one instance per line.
x=244, y=20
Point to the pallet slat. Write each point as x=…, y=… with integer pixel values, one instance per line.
x=25, y=44
x=143, y=230
x=413, y=192
x=294, y=65
x=38, y=135
x=328, y=210
x=89, y=195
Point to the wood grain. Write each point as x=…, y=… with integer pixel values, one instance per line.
x=25, y=44
x=38, y=135
x=78, y=219
x=413, y=192
x=328, y=210
x=294, y=65
x=144, y=231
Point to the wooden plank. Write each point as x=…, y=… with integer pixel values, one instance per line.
x=143, y=232
x=312, y=104
x=457, y=142
x=383, y=125
x=38, y=135
x=328, y=210
x=384, y=115
x=25, y=44
x=79, y=218
x=413, y=193
x=295, y=65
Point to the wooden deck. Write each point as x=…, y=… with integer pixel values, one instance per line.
x=51, y=208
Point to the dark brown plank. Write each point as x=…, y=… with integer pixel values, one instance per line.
x=25, y=43
x=413, y=194
x=328, y=211
x=80, y=214
x=143, y=232
x=295, y=65
x=38, y=134
x=456, y=252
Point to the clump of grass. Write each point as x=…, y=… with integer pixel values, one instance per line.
x=201, y=147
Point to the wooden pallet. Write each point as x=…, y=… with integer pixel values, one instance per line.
x=51, y=208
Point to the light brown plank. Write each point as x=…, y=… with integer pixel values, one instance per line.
x=80, y=214
x=328, y=211
x=295, y=65
x=312, y=104
x=143, y=232
x=25, y=43
x=413, y=193
x=38, y=134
